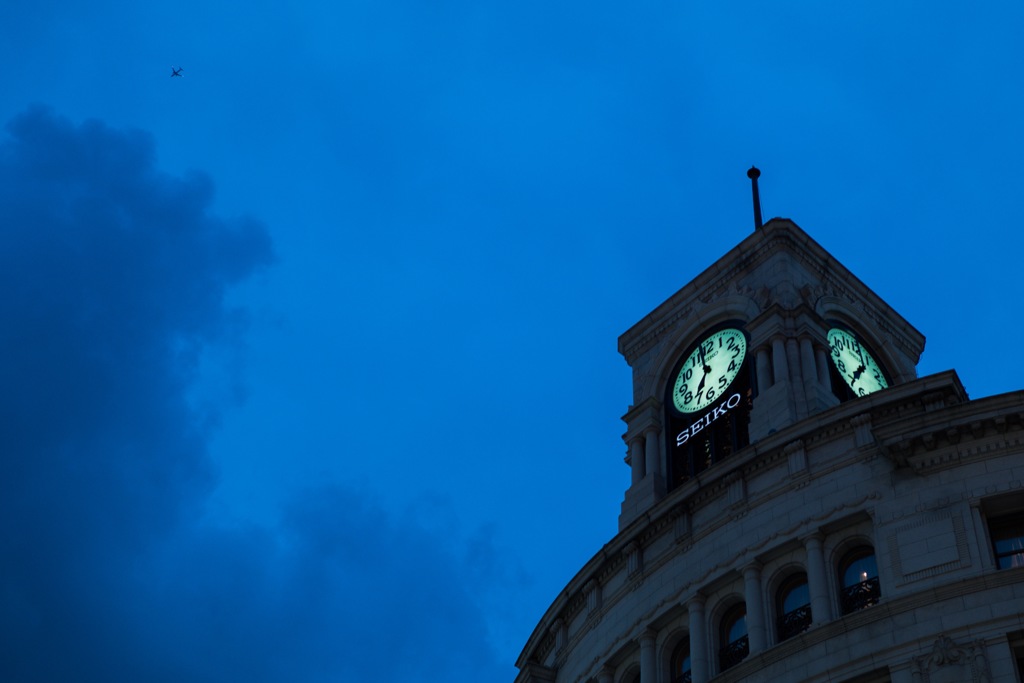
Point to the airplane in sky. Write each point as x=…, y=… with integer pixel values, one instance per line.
x=176, y=72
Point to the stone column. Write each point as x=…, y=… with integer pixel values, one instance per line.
x=807, y=363
x=817, y=580
x=637, y=466
x=699, y=670
x=824, y=376
x=648, y=660
x=764, y=370
x=793, y=356
x=779, y=360
x=651, y=451
x=757, y=635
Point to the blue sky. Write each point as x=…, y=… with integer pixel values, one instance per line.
x=310, y=355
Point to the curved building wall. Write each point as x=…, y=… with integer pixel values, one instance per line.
x=917, y=473
x=842, y=539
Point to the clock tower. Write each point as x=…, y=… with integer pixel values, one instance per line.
x=801, y=506
x=774, y=332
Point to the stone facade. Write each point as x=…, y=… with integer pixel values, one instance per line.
x=905, y=490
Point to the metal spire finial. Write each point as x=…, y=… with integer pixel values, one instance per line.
x=754, y=174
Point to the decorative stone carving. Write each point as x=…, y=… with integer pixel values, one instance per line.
x=786, y=295
x=862, y=435
x=634, y=558
x=736, y=493
x=797, y=457
x=593, y=593
x=934, y=401
x=682, y=527
x=951, y=663
x=762, y=297
x=561, y=633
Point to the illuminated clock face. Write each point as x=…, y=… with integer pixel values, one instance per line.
x=860, y=371
x=709, y=370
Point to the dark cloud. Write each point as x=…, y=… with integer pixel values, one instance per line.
x=113, y=278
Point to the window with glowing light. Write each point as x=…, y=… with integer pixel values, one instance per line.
x=858, y=576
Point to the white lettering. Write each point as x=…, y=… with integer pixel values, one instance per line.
x=709, y=417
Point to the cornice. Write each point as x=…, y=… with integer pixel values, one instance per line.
x=723, y=276
x=945, y=437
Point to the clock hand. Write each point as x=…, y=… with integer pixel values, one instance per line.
x=863, y=361
x=858, y=372
x=707, y=370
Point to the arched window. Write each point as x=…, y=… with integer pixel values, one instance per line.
x=732, y=637
x=858, y=576
x=681, y=662
x=793, y=607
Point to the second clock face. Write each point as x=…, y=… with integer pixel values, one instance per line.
x=709, y=370
x=859, y=369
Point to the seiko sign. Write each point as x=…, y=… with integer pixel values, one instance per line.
x=709, y=417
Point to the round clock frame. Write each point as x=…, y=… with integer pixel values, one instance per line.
x=710, y=369
x=855, y=364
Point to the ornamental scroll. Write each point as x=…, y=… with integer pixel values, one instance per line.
x=952, y=663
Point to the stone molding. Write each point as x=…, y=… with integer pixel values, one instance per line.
x=642, y=417
x=536, y=673
x=938, y=441
x=949, y=524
